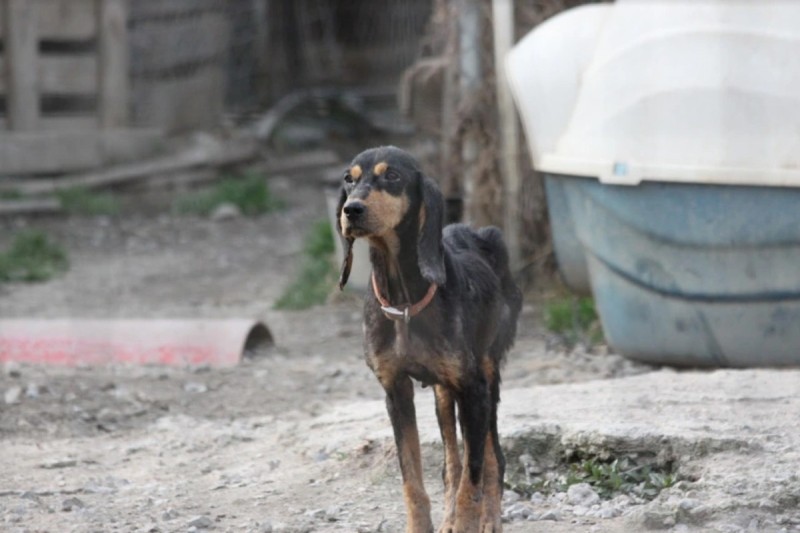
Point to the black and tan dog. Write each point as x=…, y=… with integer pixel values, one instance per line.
x=443, y=310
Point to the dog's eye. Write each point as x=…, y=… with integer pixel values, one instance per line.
x=348, y=178
x=391, y=175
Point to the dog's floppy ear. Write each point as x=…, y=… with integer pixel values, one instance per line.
x=347, y=242
x=347, y=264
x=430, y=252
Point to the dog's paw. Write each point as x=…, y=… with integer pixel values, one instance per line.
x=491, y=525
x=452, y=528
x=447, y=527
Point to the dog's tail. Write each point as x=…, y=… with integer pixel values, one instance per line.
x=493, y=248
x=495, y=253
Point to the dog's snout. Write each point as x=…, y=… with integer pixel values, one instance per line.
x=354, y=210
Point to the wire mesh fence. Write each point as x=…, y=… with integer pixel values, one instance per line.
x=193, y=59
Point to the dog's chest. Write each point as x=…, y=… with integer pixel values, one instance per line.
x=416, y=358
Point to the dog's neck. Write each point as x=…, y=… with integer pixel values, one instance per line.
x=394, y=264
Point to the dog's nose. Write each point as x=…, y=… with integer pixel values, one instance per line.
x=354, y=210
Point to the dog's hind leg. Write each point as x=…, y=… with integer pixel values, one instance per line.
x=474, y=409
x=400, y=404
x=493, y=470
x=451, y=471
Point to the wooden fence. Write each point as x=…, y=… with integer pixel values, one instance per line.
x=69, y=95
x=179, y=52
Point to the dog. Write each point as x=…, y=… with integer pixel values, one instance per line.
x=442, y=310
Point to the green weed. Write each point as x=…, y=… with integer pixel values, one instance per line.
x=621, y=475
x=32, y=257
x=82, y=201
x=249, y=192
x=317, y=272
x=575, y=319
x=10, y=194
x=610, y=477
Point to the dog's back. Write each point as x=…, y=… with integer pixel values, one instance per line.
x=479, y=261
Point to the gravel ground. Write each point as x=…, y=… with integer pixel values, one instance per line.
x=297, y=439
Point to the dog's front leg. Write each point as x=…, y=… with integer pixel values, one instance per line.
x=400, y=404
x=451, y=472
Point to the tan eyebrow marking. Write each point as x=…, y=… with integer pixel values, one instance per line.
x=380, y=168
x=355, y=171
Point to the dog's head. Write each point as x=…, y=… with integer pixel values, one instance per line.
x=384, y=189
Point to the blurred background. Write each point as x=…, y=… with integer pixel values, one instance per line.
x=90, y=84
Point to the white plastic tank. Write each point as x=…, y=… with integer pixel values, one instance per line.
x=677, y=90
x=668, y=132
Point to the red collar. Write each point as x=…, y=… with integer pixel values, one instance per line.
x=402, y=312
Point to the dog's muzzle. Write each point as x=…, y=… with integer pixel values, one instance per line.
x=354, y=216
x=354, y=210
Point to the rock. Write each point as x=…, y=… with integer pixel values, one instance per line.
x=606, y=513
x=657, y=518
x=700, y=514
x=200, y=522
x=169, y=514
x=518, y=511
x=11, y=369
x=72, y=504
x=315, y=513
x=582, y=494
x=580, y=510
x=332, y=513
x=226, y=211
x=195, y=387
x=538, y=498
x=13, y=395
x=60, y=463
x=552, y=514
x=33, y=390
x=687, y=504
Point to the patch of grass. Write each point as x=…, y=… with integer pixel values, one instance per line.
x=574, y=318
x=249, y=192
x=621, y=475
x=609, y=476
x=82, y=201
x=317, y=272
x=32, y=257
x=10, y=194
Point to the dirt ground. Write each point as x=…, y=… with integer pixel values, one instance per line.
x=274, y=444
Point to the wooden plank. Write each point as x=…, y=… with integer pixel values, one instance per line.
x=67, y=20
x=62, y=75
x=68, y=75
x=70, y=123
x=223, y=155
x=48, y=152
x=56, y=152
x=29, y=205
x=503, y=23
x=113, y=63
x=21, y=51
x=151, y=9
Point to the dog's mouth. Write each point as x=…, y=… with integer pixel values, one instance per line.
x=355, y=231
